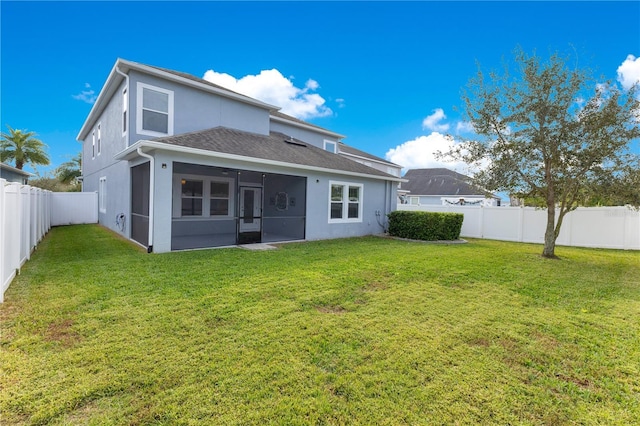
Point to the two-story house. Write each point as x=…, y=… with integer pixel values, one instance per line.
x=181, y=163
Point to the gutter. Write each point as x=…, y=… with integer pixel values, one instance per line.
x=151, y=191
x=126, y=79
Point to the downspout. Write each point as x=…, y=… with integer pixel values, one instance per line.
x=126, y=78
x=151, y=190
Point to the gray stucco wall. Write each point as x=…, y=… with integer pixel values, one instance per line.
x=198, y=110
x=313, y=138
x=103, y=165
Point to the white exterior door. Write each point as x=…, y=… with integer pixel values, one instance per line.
x=250, y=209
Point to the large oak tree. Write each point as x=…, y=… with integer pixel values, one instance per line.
x=551, y=132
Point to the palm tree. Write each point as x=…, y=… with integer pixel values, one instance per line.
x=22, y=147
x=70, y=171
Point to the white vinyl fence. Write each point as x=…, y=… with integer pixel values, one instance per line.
x=26, y=215
x=600, y=227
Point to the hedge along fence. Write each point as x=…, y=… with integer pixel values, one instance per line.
x=429, y=226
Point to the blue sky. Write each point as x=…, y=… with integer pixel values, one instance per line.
x=388, y=75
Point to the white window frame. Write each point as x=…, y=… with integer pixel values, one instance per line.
x=99, y=138
x=345, y=202
x=206, y=196
x=93, y=144
x=125, y=110
x=327, y=143
x=139, y=102
x=102, y=194
x=414, y=201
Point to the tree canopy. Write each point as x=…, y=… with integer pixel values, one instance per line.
x=22, y=147
x=69, y=172
x=551, y=132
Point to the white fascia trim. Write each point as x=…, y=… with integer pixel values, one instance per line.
x=386, y=163
x=15, y=170
x=123, y=155
x=101, y=101
x=306, y=127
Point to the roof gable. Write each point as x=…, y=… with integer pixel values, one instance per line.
x=123, y=66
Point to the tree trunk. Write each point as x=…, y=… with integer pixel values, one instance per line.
x=550, y=234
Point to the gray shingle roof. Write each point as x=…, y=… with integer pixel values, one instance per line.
x=440, y=181
x=276, y=147
x=354, y=151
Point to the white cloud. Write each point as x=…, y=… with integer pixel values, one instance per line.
x=89, y=96
x=432, y=122
x=629, y=72
x=272, y=87
x=464, y=127
x=420, y=153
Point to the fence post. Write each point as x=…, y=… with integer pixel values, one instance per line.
x=520, y=224
x=3, y=221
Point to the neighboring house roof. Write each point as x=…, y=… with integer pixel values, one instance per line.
x=441, y=182
x=11, y=169
x=276, y=148
x=354, y=152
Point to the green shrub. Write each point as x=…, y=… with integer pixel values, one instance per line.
x=429, y=226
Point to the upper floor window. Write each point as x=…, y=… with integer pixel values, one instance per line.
x=345, y=202
x=125, y=108
x=99, y=138
x=93, y=144
x=154, y=114
x=330, y=146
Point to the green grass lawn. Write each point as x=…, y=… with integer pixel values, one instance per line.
x=356, y=331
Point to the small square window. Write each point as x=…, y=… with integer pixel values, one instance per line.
x=330, y=146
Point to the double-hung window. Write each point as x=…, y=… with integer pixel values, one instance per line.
x=345, y=202
x=219, y=198
x=154, y=114
x=99, y=139
x=125, y=108
x=192, y=197
x=203, y=196
x=102, y=194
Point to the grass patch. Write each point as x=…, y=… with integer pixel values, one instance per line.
x=355, y=331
